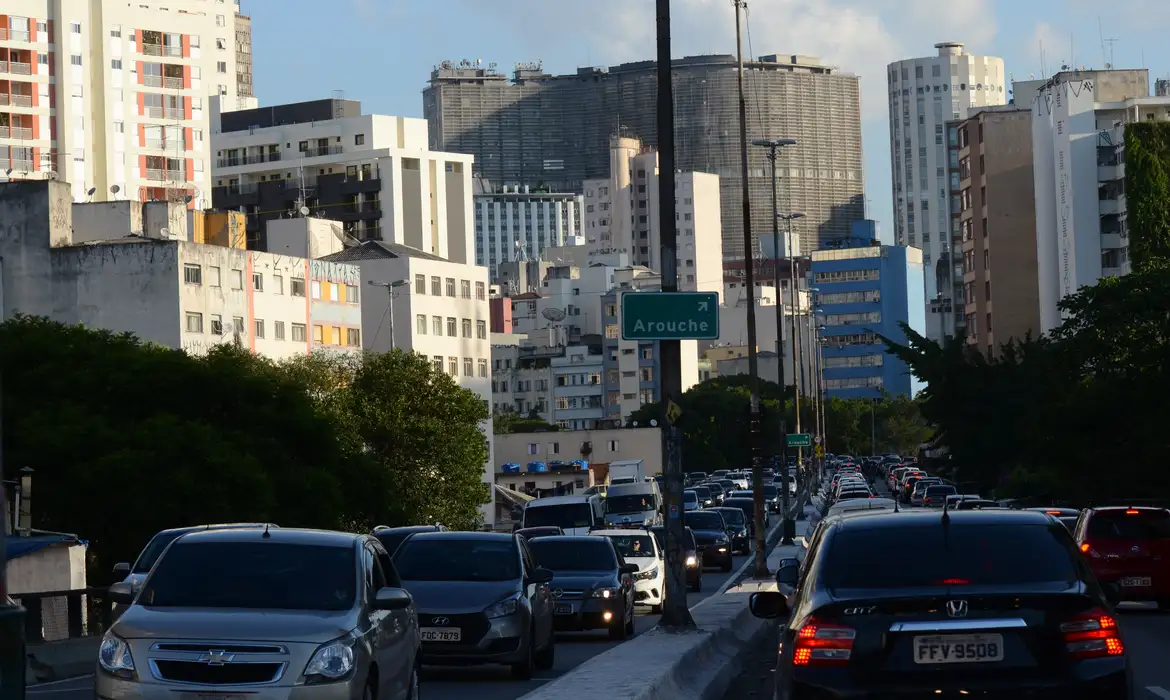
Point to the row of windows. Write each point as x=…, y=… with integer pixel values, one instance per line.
x=847, y=276
x=438, y=287
x=849, y=297
x=471, y=367
x=849, y=319
x=855, y=383
x=854, y=361
x=324, y=335
x=554, y=448
x=852, y=339
x=453, y=326
x=193, y=274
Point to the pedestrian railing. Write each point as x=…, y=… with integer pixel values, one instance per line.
x=57, y=615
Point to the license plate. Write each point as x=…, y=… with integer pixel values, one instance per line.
x=441, y=634
x=958, y=649
x=564, y=609
x=1136, y=581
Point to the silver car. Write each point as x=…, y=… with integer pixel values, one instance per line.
x=270, y=614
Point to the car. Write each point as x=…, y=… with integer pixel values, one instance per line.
x=706, y=498
x=135, y=574
x=1067, y=516
x=1000, y=608
x=693, y=557
x=592, y=585
x=1129, y=545
x=392, y=537
x=717, y=491
x=532, y=533
x=481, y=598
x=748, y=506
x=641, y=548
x=307, y=613
x=978, y=504
x=738, y=529
x=772, y=497
x=711, y=538
x=936, y=495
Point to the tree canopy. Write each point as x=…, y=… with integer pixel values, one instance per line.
x=127, y=438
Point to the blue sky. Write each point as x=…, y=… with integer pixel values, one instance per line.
x=382, y=51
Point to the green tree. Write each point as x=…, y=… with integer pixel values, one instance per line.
x=1147, y=190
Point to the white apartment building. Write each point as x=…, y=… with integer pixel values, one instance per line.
x=568, y=297
x=373, y=173
x=924, y=94
x=1078, y=127
x=515, y=223
x=113, y=96
x=562, y=384
x=621, y=214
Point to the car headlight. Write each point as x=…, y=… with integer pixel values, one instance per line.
x=721, y=540
x=605, y=592
x=333, y=661
x=647, y=574
x=505, y=607
x=692, y=561
x=114, y=656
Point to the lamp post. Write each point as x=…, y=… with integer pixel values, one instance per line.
x=391, y=293
x=789, y=527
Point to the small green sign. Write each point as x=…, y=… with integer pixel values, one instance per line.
x=799, y=440
x=670, y=316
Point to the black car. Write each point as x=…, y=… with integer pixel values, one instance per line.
x=1067, y=516
x=748, y=506
x=392, y=537
x=480, y=599
x=532, y=533
x=697, y=477
x=711, y=537
x=772, y=497
x=738, y=529
x=1004, y=606
x=694, y=558
x=706, y=498
x=717, y=491
x=592, y=585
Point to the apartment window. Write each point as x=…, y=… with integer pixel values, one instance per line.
x=437, y=363
x=316, y=288
x=192, y=274
x=453, y=366
x=298, y=332
x=219, y=21
x=481, y=330
x=318, y=334
x=353, y=337
x=334, y=291
x=75, y=59
x=296, y=286
x=221, y=67
x=482, y=367
x=465, y=289
x=451, y=287
x=116, y=64
x=353, y=294
x=480, y=291
x=258, y=281
x=420, y=324
x=119, y=127
x=237, y=279
x=238, y=324
x=221, y=44
x=420, y=284
x=194, y=322
x=467, y=368
x=437, y=325
x=278, y=330
x=213, y=276
x=116, y=31
x=359, y=139
x=258, y=328
x=452, y=327
x=278, y=284
x=437, y=287
x=466, y=327
x=75, y=28
x=614, y=445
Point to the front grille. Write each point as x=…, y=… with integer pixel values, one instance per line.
x=228, y=674
x=227, y=648
x=474, y=626
x=567, y=594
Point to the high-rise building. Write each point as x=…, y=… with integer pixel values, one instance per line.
x=925, y=94
x=514, y=223
x=244, y=56
x=112, y=97
x=541, y=129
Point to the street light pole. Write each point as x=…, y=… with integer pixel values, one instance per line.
x=789, y=526
x=391, y=293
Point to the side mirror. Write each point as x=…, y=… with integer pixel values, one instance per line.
x=789, y=573
x=122, y=593
x=768, y=605
x=122, y=569
x=392, y=599
x=540, y=575
x=1112, y=592
x=628, y=568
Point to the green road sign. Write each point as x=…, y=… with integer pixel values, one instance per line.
x=799, y=440
x=670, y=316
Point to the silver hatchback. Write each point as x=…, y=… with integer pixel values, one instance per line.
x=269, y=614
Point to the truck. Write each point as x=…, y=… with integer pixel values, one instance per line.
x=630, y=471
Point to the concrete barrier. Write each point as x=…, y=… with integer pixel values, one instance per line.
x=68, y=658
x=659, y=665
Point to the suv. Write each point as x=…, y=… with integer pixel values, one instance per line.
x=1129, y=546
x=1003, y=607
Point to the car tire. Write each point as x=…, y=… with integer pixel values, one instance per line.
x=630, y=625
x=370, y=692
x=698, y=585
x=524, y=670
x=546, y=657
x=656, y=609
x=412, y=693
x=618, y=632
x=726, y=566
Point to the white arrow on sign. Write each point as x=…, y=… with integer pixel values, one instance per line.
x=702, y=306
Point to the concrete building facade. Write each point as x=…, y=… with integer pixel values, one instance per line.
x=518, y=224
x=599, y=447
x=540, y=128
x=925, y=94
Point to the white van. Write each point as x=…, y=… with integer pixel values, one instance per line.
x=633, y=505
x=576, y=515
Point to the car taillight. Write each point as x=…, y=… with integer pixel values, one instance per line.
x=927, y=500
x=820, y=643
x=1091, y=635
x=1087, y=548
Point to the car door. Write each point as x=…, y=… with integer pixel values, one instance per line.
x=540, y=599
x=625, y=580
x=404, y=622
x=387, y=632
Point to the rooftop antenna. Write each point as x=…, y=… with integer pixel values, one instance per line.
x=266, y=534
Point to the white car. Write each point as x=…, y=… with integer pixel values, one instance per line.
x=641, y=548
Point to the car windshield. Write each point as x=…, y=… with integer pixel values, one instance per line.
x=454, y=559
x=570, y=555
x=633, y=545
x=564, y=516
x=744, y=504
x=660, y=535
x=770, y=490
x=715, y=489
x=392, y=540
x=630, y=503
x=1125, y=525
x=702, y=492
x=733, y=516
x=940, y=490
x=153, y=550
x=959, y=555
x=690, y=497
x=705, y=520
x=253, y=575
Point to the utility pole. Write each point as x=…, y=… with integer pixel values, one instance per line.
x=391, y=288
x=12, y=641
x=788, y=529
x=759, y=519
x=675, y=612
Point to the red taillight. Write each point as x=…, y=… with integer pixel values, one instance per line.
x=926, y=500
x=819, y=643
x=954, y=582
x=1087, y=548
x=1091, y=635
x=1052, y=512
x=1131, y=511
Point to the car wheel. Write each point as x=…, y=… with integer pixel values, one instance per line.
x=630, y=623
x=412, y=692
x=525, y=669
x=370, y=692
x=698, y=584
x=546, y=657
x=726, y=565
x=656, y=609
x=618, y=631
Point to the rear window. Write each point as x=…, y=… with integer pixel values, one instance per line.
x=562, y=555
x=957, y=555
x=1120, y=525
x=690, y=497
x=940, y=490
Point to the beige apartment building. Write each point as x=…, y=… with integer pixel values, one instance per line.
x=997, y=226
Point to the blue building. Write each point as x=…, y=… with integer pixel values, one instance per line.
x=864, y=293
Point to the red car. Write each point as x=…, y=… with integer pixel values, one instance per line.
x=1129, y=546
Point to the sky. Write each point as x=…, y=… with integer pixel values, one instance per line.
x=381, y=52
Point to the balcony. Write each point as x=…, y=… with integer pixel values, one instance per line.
x=15, y=132
x=247, y=160
x=164, y=175
x=162, y=50
x=173, y=83
x=20, y=100
x=175, y=113
x=317, y=152
x=1106, y=173
x=1108, y=206
x=15, y=34
x=19, y=68
x=152, y=112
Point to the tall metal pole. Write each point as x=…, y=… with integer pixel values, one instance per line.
x=391, y=310
x=789, y=526
x=803, y=372
x=759, y=520
x=675, y=612
x=783, y=452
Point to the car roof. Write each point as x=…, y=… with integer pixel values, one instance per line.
x=617, y=532
x=216, y=526
x=461, y=535
x=569, y=539
x=407, y=529
x=329, y=538
x=561, y=500
x=908, y=518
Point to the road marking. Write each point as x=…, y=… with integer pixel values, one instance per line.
x=63, y=680
x=1159, y=691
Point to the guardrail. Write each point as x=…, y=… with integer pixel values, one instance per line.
x=57, y=615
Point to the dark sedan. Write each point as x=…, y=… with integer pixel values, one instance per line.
x=738, y=529
x=1067, y=516
x=706, y=498
x=694, y=558
x=532, y=533
x=748, y=506
x=592, y=586
x=393, y=537
x=711, y=538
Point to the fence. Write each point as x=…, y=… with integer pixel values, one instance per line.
x=57, y=615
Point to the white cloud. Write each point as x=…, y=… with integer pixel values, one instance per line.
x=859, y=36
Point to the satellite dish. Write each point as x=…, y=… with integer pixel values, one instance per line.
x=653, y=423
x=164, y=232
x=91, y=191
x=187, y=199
x=304, y=211
x=114, y=189
x=553, y=314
